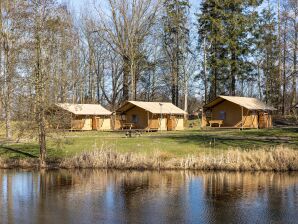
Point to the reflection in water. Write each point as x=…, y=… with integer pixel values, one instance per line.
x=97, y=196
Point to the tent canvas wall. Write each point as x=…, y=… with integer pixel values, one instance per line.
x=149, y=116
x=238, y=112
x=82, y=117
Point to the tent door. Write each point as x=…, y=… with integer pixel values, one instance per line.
x=171, y=123
x=87, y=124
x=263, y=120
x=163, y=124
x=94, y=123
x=97, y=123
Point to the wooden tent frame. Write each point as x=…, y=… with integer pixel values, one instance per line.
x=243, y=120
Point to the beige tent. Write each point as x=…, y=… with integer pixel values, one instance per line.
x=149, y=116
x=83, y=116
x=237, y=112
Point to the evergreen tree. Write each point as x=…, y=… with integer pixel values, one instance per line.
x=267, y=47
x=225, y=28
x=176, y=40
x=211, y=33
x=238, y=20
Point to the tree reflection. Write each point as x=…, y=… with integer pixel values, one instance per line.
x=92, y=196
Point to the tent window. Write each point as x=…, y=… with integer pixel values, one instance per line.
x=123, y=117
x=134, y=118
x=222, y=115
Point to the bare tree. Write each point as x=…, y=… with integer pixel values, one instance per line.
x=125, y=29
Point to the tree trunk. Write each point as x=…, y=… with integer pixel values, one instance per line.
x=205, y=73
x=259, y=81
x=185, y=94
x=7, y=71
x=233, y=74
x=284, y=78
x=174, y=81
x=125, y=91
x=280, y=76
x=8, y=88
x=133, y=84
x=295, y=74
x=39, y=100
x=214, y=95
x=177, y=74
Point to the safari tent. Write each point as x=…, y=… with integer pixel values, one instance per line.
x=237, y=112
x=82, y=117
x=149, y=116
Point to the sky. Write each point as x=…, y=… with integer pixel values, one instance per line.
x=78, y=5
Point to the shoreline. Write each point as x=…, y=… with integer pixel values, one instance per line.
x=280, y=159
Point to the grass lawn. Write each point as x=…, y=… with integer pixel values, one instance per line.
x=177, y=143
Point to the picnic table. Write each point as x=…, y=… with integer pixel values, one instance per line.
x=128, y=126
x=219, y=122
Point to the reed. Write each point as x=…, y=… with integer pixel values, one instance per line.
x=18, y=163
x=276, y=159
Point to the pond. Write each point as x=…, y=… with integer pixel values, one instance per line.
x=100, y=196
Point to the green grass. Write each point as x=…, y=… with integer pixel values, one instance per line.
x=172, y=144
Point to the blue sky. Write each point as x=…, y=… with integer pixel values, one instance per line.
x=77, y=5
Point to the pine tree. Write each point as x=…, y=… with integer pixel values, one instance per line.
x=267, y=46
x=176, y=40
x=239, y=20
x=225, y=28
x=211, y=33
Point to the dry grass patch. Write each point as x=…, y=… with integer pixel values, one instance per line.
x=9, y=163
x=277, y=159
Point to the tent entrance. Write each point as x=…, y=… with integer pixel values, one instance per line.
x=264, y=120
x=171, y=123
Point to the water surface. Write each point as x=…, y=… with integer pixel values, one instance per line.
x=96, y=196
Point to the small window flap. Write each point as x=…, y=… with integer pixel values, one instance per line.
x=222, y=115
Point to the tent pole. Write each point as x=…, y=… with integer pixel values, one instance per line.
x=71, y=122
x=202, y=117
x=254, y=117
x=268, y=119
x=148, y=124
x=241, y=118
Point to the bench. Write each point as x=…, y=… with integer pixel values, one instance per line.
x=219, y=122
x=128, y=126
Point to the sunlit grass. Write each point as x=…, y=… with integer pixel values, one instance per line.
x=172, y=144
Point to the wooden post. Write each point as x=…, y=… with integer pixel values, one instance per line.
x=160, y=116
x=268, y=126
x=241, y=118
x=71, y=122
x=202, y=119
x=254, y=117
x=148, y=121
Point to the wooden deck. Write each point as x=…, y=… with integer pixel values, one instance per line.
x=223, y=128
x=136, y=129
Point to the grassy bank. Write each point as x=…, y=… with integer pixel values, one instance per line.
x=174, y=144
x=278, y=159
x=166, y=150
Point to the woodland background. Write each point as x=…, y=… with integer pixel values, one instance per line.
x=150, y=50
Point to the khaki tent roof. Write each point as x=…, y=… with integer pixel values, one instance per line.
x=247, y=102
x=84, y=109
x=153, y=107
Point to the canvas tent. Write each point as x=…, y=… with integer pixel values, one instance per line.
x=237, y=112
x=149, y=116
x=82, y=116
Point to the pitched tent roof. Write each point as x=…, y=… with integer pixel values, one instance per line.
x=84, y=109
x=246, y=102
x=152, y=107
